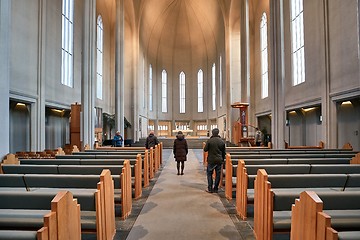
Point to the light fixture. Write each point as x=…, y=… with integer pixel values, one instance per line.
x=21, y=105
x=308, y=109
x=346, y=103
x=57, y=110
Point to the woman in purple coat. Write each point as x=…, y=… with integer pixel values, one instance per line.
x=180, y=150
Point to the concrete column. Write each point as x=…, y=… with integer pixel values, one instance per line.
x=277, y=73
x=228, y=84
x=88, y=74
x=119, y=67
x=328, y=109
x=156, y=127
x=245, y=52
x=38, y=116
x=5, y=40
x=137, y=93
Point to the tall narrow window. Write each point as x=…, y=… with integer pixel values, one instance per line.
x=67, y=42
x=164, y=91
x=264, y=58
x=99, y=58
x=182, y=92
x=150, y=89
x=213, y=87
x=297, y=41
x=220, y=83
x=144, y=82
x=200, y=91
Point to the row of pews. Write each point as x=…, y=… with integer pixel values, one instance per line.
x=98, y=186
x=289, y=191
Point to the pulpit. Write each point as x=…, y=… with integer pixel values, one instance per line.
x=240, y=127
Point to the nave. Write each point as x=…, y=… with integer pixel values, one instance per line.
x=177, y=207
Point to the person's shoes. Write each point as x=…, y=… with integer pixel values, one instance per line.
x=178, y=173
x=208, y=191
x=215, y=191
x=182, y=173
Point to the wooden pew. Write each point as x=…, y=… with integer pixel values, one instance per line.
x=61, y=222
x=245, y=179
x=316, y=216
x=263, y=153
x=346, y=148
x=137, y=171
x=272, y=206
x=124, y=173
x=156, y=162
x=119, y=154
x=240, y=180
x=100, y=187
x=320, y=146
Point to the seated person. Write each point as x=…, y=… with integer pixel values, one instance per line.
x=118, y=140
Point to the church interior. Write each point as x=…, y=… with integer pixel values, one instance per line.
x=74, y=72
x=171, y=65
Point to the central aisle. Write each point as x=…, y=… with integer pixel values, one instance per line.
x=179, y=208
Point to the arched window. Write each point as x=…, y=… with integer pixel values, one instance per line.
x=182, y=92
x=297, y=41
x=99, y=58
x=220, y=83
x=264, y=57
x=213, y=87
x=164, y=91
x=143, y=67
x=150, y=89
x=67, y=42
x=200, y=91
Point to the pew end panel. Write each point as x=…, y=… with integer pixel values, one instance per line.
x=263, y=207
x=304, y=215
x=126, y=191
x=347, y=146
x=146, y=169
x=228, y=177
x=67, y=216
x=106, y=188
x=355, y=159
x=241, y=190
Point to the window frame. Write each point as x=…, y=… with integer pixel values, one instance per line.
x=99, y=58
x=264, y=57
x=67, y=43
x=297, y=41
x=164, y=91
x=182, y=92
x=200, y=84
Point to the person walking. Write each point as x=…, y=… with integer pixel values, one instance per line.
x=151, y=140
x=215, y=147
x=258, y=137
x=180, y=150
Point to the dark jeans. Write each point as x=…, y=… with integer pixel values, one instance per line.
x=209, y=172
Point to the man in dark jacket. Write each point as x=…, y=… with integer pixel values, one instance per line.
x=151, y=141
x=215, y=147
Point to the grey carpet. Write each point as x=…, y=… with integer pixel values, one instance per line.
x=179, y=208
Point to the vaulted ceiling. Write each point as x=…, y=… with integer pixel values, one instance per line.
x=180, y=32
x=176, y=31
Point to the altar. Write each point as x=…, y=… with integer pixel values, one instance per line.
x=185, y=131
